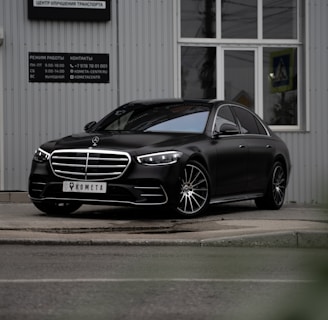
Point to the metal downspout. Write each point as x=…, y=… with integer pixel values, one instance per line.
x=2, y=130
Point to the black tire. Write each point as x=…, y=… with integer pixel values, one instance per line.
x=194, y=190
x=275, y=194
x=57, y=207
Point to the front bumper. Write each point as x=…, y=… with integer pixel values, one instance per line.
x=145, y=193
x=140, y=185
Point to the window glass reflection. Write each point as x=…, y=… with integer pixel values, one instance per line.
x=247, y=121
x=198, y=72
x=198, y=18
x=239, y=77
x=193, y=123
x=280, y=86
x=239, y=19
x=280, y=19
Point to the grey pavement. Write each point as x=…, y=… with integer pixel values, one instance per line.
x=237, y=224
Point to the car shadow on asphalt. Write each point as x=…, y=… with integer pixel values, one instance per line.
x=154, y=213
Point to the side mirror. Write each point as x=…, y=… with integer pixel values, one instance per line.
x=89, y=125
x=228, y=129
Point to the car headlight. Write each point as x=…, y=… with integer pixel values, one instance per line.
x=160, y=158
x=41, y=155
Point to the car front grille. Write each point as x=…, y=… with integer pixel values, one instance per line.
x=89, y=164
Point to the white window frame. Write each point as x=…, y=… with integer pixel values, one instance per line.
x=303, y=120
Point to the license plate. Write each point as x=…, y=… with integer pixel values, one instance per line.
x=84, y=187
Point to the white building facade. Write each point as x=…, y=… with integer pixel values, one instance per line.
x=64, y=63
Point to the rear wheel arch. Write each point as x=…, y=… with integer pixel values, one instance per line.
x=280, y=158
x=274, y=196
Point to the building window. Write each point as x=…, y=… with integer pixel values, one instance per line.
x=239, y=72
x=280, y=86
x=198, y=72
x=198, y=19
x=280, y=19
x=239, y=19
x=246, y=51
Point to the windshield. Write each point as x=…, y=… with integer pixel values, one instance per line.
x=172, y=118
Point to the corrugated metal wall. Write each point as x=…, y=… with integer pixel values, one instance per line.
x=141, y=66
x=37, y=112
x=146, y=49
x=309, y=150
x=142, y=55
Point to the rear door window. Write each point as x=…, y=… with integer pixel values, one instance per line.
x=248, y=122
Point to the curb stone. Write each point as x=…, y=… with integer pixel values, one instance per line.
x=303, y=239
x=14, y=197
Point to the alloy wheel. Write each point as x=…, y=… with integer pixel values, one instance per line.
x=194, y=190
x=278, y=185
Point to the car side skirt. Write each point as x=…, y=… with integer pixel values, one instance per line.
x=235, y=198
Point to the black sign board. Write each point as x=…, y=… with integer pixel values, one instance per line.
x=68, y=67
x=69, y=10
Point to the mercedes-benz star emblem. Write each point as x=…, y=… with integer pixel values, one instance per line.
x=95, y=141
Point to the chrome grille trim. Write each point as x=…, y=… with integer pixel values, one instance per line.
x=89, y=164
x=149, y=192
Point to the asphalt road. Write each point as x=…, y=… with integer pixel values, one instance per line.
x=139, y=282
x=238, y=224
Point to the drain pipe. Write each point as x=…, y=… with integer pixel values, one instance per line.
x=118, y=56
x=2, y=130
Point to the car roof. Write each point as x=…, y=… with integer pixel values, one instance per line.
x=149, y=102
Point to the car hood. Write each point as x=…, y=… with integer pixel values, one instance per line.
x=122, y=141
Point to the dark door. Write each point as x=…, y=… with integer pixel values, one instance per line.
x=232, y=155
x=260, y=148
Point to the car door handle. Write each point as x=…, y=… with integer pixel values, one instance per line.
x=241, y=146
x=268, y=146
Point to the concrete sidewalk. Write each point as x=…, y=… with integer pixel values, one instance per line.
x=238, y=224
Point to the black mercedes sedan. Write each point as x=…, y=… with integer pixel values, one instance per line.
x=184, y=154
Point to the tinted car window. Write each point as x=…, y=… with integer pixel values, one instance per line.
x=172, y=118
x=186, y=123
x=249, y=124
x=223, y=117
x=260, y=127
